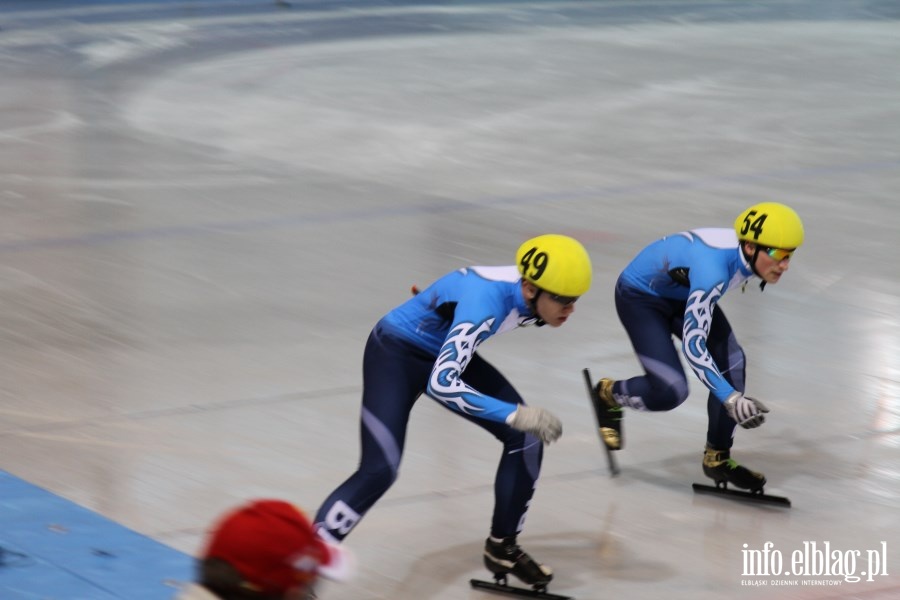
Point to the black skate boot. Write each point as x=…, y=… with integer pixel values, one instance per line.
x=719, y=466
x=504, y=556
x=609, y=414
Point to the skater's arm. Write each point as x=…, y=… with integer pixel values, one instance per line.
x=471, y=326
x=698, y=315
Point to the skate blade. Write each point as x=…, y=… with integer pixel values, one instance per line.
x=758, y=497
x=610, y=457
x=519, y=592
x=611, y=460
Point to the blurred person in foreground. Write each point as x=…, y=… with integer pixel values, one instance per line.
x=672, y=288
x=428, y=345
x=265, y=550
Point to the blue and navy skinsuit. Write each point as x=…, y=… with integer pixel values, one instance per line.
x=428, y=345
x=672, y=287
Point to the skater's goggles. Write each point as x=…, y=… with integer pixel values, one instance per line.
x=778, y=254
x=563, y=300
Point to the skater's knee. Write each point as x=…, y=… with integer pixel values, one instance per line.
x=379, y=476
x=523, y=447
x=506, y=434
x=668, y=396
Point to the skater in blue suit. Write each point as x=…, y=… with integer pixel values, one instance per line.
x=672, y=288
x=428, y=345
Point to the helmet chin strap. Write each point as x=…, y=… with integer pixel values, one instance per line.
x=752, y=261
x=532, y=305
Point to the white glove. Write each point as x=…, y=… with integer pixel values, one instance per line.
x=537, y=421
x=747, y=412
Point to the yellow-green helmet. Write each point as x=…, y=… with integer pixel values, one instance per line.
x=556, y=263
x=770, y=224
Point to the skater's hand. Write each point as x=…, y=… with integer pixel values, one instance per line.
x=537, y=421
x=747, y=412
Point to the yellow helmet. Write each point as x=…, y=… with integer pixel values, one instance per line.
x=556, y=263
x=770, y=224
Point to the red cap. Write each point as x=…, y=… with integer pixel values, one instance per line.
x=274, y=547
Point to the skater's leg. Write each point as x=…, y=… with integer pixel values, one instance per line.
x=514, y=484
x=393, y=378
x=729, y=356
x=663, y=386
x=650, y=323
x=520, y=462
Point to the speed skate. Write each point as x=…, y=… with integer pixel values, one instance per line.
x=610, y=457
x=759, y=496
x=500, y=586
x=504, y=557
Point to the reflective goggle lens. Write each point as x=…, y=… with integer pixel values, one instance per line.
x=778, y=254
x=564, y=300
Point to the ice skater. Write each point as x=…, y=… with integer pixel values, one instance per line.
x=428, y=345
x=672, y=288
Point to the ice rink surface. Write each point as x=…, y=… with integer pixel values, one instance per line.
x=207, y=205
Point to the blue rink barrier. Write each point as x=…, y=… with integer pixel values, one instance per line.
x=53, y=549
